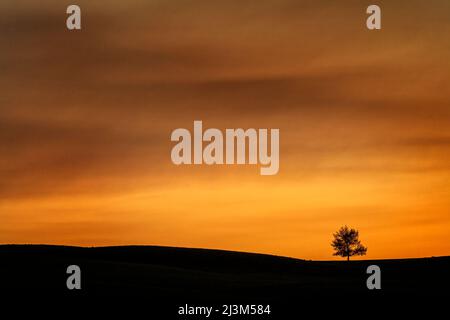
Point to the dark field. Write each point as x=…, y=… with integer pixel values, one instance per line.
x=164, y=278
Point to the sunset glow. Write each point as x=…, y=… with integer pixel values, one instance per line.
x=364, y=119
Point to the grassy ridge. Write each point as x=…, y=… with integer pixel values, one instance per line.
x=180, y=273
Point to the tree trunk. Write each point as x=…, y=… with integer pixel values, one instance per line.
x=348, y=257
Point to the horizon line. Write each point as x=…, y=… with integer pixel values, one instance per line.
x=214, y=249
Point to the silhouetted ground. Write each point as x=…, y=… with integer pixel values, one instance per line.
x=161, y=279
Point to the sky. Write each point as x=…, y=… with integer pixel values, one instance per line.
x=364, y=119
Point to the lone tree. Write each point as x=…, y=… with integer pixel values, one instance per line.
x=346, y=243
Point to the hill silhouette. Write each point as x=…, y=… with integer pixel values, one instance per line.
x=180, y=275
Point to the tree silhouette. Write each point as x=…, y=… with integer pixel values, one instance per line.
x=346, y=243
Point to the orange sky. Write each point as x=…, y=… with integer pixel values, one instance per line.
x=364, y=119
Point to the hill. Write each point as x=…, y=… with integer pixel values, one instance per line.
x=182, y=275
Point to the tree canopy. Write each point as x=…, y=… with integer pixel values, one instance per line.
x=346, y=243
